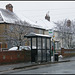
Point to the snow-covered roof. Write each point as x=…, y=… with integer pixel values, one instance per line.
x=45, y=23
x=38, y=22
x=8, y=16
x=33, y=24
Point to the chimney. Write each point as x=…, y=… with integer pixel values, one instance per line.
x=9, y=7
x=47, y=17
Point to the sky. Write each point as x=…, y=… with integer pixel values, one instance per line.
x=34, y=10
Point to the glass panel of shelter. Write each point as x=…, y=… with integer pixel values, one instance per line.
x=48, y=49
x=33, y=43
x=34, y=49
x=39, y=48
x=43, y=49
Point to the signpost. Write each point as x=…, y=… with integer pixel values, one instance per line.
x=51, y=34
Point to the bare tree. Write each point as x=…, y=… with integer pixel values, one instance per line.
x=15, y=33
x=65, y=32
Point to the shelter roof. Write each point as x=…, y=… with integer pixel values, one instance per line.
x=37, y=35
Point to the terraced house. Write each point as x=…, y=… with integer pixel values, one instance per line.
x=8, y=20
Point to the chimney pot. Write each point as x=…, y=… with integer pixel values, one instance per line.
x=9, y=7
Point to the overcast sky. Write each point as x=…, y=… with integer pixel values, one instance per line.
x=59, y=10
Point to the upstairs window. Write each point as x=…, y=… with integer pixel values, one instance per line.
x=40, y=31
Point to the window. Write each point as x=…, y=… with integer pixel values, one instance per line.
x=40, y=31
x=11, y=27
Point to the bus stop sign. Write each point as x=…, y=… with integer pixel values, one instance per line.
x=51, y=32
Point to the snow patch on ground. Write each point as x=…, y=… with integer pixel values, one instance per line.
x=60, y=56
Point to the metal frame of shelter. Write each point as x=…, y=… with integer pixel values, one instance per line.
x=42, y=54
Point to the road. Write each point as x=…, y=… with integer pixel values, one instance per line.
x=57, y=68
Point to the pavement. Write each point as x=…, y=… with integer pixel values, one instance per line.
x=29, y=64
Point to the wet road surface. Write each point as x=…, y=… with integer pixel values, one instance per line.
x=57, y=68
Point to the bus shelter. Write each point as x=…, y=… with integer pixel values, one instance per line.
x=40, y=47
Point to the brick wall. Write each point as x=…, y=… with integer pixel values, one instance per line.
x=14, y=56
x=67, y=52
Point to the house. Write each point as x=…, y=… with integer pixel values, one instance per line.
x=7, y=20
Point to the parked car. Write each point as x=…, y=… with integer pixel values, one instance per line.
x=33, y=47
x=21, y=48
x=25, y=47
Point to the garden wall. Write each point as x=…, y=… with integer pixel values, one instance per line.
x=7, y=57
x=67, y=52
